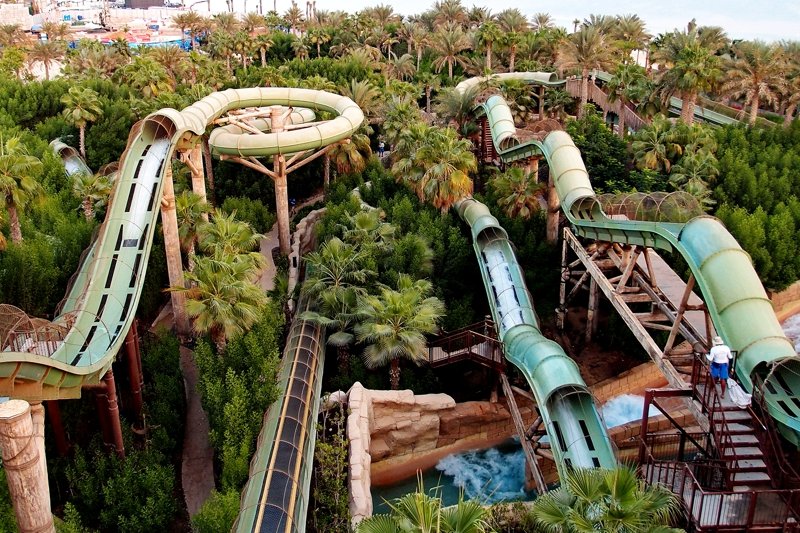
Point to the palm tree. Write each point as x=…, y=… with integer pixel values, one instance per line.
x=365, y=95
x=458, y=106
x=81, y=106
x=10, y=35
x=56, y=31
x=692, y=66
x=318, y=37
x=694, y=173
x=449, y=42
x=756, y=72
x=489, y=33
x=584, y=50
x=263, y=43
x=605, y=500
x=420, y=39
x=294, y=17
x=337, y=267
x=440, y=168
x=630, y=34
x=93, y=190
x=352, y=157
x=515, y=24
x=146, y=76
x=226, y=237
x=626, y=85
x=222, y=299
x=46, y=53
x=519, y=195
x=655, y=145
x=225, y=22
x=399, y=68
x=429, y=82
x=449, y=12
x=300, y=48
x=18, y=172
x=400, y=116
x=421, y=512
x=253, y=21
x=192, y=212
x=542, y=21
x=394, y=323
x=174, y=61
x=790, y=91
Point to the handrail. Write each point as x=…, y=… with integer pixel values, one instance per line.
x=780, y=469
x=711, y=508
x=711, y=402
x=463, y=342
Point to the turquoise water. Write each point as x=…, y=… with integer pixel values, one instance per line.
x=492, y=475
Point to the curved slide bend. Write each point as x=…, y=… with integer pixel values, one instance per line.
x=78, y=347
x=738, y=304
x=578, y=437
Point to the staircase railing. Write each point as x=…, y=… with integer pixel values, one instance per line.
x=780, y=469
x=705, y=391
x=477, y=342
x=710, y=509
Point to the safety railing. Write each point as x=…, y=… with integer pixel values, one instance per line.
x=709, y=509
x=475, y=342
x=780, y=468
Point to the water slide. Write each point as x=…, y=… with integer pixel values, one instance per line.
x=577, y=435
x=737, y=302
x=675, y=105
x=42, y=360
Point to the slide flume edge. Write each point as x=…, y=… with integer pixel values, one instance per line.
x=77, y=347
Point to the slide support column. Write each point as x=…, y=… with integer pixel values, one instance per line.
x=24, y=463
x=172, y=247
x=281, y=185
x=134, y=374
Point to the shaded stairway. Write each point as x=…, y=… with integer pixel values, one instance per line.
x=731, y=477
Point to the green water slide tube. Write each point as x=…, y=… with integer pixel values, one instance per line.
x=738, y=304
x=41, y=360
x=740, y=309
x=577, y=435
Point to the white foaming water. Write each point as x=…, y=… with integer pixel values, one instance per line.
x=623, y=409
x=488, y=476
x=792, y=329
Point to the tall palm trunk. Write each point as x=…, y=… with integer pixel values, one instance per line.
x=553, y=211
x=428, y=89
x=319, y=53
x=754, y=103
x=46, y=70
x=218, y=338
x=513, y=58
x=789, y=115
x=419, y=56
x=450, y=68
x=82, y=140
x=208, y=160
x=394, y=374
x=13, y=219
x=263, y=52
x=584, y=91
x=327, y=171
x=489, y=56
x=623, y=104
x=88, y=208
x=687, y=111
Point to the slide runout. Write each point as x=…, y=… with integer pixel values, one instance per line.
x=577, y=435
x=737, y=302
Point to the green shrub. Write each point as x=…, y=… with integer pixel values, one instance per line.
x=251, y=211
x=218, y=513
x=164, y=395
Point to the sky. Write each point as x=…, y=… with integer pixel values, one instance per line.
x=768, y=20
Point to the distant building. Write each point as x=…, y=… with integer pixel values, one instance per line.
x=143, y=4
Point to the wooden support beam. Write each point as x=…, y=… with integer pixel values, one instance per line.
x=634, y=297
x=250, y=162
x=626, y=274
x=530, y=458
x=651, y=273
x=679, y=317
x=592, y=312
x=316, y=155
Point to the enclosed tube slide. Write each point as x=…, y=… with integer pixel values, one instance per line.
x=737, y=302
x=577, y=435
x=275, y=499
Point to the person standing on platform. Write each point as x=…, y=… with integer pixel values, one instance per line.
x=720, y=356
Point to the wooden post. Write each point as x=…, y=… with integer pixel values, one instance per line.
x=134, y=376
x=172, y=247
x=591, y=313
x=281, y=185
x=115, y=427
x=679, y=317
x=195, y=162
x=561, y=312
x=553, y=210
x=54, y=415
x=25, y=467
x=541, y=102
x=101, y=401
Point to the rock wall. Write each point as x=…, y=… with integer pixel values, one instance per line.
x=304, y=240
x=787, y=302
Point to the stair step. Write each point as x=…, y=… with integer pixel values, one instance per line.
x=745, y=465
x=751, y=478
x=734, y=416
x=743, y=452
x=739, y=440
x=735, y=428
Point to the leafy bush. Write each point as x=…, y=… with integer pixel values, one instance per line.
x=330, y=512
x=236, y=388
x=218, y=513
x=164, y=395
x=251, y=211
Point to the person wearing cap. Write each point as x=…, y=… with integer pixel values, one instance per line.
x=719, y=356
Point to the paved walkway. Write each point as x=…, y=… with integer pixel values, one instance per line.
x=197, y=466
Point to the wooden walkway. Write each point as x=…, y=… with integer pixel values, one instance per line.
x=673, y=289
